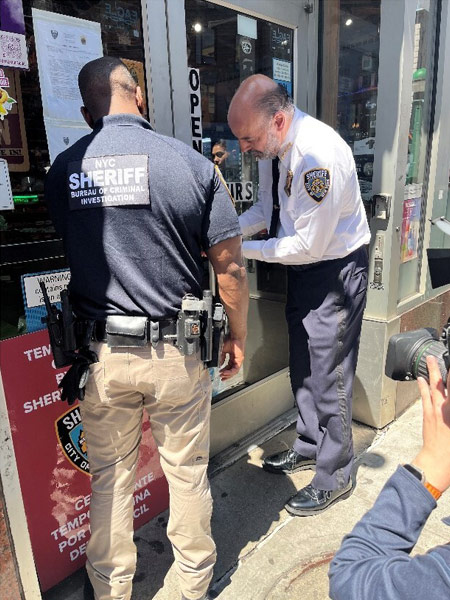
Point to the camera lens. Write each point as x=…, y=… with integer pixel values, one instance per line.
x=419, y=365
x=407, y=353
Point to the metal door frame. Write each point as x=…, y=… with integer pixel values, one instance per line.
x=391, y=149
x=375, y=396
x=166, y=56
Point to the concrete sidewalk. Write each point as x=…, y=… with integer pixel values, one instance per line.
x=263, y=552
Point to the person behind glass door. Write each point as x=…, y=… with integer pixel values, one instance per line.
x=134, y=251
x=220, y=154
x=374, y=559
x=309, y=200
x=226, y=159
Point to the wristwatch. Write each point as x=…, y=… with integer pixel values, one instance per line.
x=420, y=475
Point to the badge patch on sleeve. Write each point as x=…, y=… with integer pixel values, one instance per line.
x=220, y=176
x=317, y=183
x=108, y=181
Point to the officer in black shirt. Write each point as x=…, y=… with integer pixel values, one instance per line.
x=136, y=210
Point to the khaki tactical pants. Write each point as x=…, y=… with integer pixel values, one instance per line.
x=176, y=392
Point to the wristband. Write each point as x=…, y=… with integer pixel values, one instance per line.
x=433, y=491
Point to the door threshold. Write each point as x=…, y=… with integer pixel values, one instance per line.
x=236, y=451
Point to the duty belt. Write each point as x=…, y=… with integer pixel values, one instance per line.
x=129, y=331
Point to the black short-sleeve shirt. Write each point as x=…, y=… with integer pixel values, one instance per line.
x=135, y=209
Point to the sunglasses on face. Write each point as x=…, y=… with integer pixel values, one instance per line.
x=218, y=154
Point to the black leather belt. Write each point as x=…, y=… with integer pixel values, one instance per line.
x=342, y=259
x=134, y=331
x=306, y=267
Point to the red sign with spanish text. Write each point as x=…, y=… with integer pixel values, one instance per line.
x=52, y=460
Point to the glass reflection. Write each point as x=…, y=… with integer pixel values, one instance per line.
x=414, y=199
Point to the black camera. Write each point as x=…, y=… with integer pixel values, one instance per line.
x=407, y=352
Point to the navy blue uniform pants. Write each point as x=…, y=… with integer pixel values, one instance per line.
x=324, y=310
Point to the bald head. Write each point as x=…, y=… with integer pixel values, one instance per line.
x=260, y=104
x=261, y=96
x=107, y=87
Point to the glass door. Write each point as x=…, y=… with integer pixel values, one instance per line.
x=224, y=46
x=348, y=87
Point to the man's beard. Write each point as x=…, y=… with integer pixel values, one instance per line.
x=271, y=150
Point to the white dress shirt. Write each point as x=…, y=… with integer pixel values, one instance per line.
x=310, y=230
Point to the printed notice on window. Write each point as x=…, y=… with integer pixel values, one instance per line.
x=63, y=46
x=411, y=222
x=282, y=73
x=6, y=197
x=61, y=136
x=281, y=70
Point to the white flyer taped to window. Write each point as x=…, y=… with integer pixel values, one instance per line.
x=63, y=46
x=6, y=196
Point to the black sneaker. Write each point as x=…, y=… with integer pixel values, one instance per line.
x=288, y=461
x=311, y=501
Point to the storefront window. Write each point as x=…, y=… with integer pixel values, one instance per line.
x=349, y=78
x=414, y=200
x=225, y=47
x=28, y=241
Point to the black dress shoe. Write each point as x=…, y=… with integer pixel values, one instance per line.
x=288, y=461
x=310, y=500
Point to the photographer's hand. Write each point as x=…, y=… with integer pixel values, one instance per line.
x=434, y=457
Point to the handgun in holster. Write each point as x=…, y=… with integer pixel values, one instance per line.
x=201, y=326
x=60, y=324
x=66, y=348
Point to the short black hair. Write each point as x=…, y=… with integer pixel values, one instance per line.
x=101, y=78
x=220, y=142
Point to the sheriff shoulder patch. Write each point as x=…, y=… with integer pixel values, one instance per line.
x=317, y=183
x=220, y=176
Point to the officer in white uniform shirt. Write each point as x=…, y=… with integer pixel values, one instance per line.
x=310, y=202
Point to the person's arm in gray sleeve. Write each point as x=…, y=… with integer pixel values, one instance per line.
x=227, y=262
x=374, y=561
